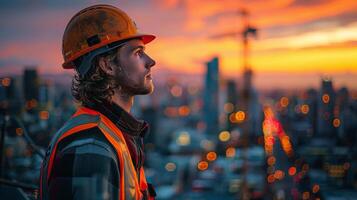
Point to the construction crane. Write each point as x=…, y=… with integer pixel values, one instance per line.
x=245, y=34
x=248, y=31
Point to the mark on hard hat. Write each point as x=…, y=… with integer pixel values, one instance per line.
x=93, y=40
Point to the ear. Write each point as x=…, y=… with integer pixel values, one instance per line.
x=106, y=66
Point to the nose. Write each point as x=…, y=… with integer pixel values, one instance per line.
x=150, y=62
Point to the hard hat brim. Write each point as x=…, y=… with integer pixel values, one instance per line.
x=146, y=38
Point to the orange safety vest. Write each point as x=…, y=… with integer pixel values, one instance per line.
x=85, y=118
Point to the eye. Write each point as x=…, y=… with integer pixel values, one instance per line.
x=139, y=53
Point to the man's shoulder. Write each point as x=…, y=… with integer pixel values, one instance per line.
x=88, y=141
x=85, y=154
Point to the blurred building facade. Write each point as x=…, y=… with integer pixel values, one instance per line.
x=210, y=97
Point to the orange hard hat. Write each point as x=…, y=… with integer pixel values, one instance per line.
x=97, y=27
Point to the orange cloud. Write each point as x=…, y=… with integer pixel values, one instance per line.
x=308, y=60
x=310, y=51
x=301, y=14
x=46, y=55
x=264, y=13
x=186, y=27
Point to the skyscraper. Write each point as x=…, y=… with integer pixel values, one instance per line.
x=326, y=104
x=211, y=97
x=31, y=88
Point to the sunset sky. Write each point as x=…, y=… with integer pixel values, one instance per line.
x=297, y=39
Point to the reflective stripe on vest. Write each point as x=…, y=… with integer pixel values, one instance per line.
x=86, y=118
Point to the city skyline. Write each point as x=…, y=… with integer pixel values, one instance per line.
x=258, y=110
x=316, y=130
x=293, y=42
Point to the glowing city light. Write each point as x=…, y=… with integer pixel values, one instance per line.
x=279, y=174
x=44, y=115
x=271, y=178
x=224, y=136
x=211, y=156
x=305, y=109
x=284, y=102
x=170, y=167
x=176, y=91
x=306, y=195
x=184, y=111
x=31, y=104
x=232, y=118
x=326, y=98
x=19, y=131
x=240, y=116
x=286, y=144
x=183, y=139
x=6, y=82
x=230, y=152
x=336, y=122
x=171, y=111
x=202, y=165
x=271, y=160
x=292, y=171
x=315, y=188
x=336, y=171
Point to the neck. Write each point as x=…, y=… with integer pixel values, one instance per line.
x=123, y=100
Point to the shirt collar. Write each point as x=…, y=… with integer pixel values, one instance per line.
x=124, y=120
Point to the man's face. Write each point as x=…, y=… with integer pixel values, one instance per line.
x=133, y=72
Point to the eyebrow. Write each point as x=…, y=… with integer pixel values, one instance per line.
x=137, y=47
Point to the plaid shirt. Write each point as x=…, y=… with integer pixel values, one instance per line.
x=86, y=165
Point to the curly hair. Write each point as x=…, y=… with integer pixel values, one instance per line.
x=96, y=85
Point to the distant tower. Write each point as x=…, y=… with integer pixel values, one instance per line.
x=326, y=104
x=342, y=99
x=31, y=88
x=9, y=99
x=211, y=97
x=343, y=116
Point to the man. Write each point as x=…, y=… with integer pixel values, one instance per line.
x=98, y=153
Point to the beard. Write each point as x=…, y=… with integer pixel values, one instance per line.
x=133, y=85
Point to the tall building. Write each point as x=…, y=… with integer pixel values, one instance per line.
x=31, y=88
x=342, y=100
x=10, y=99
x=344, y=118
x=210, y=98
x=326, y=104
